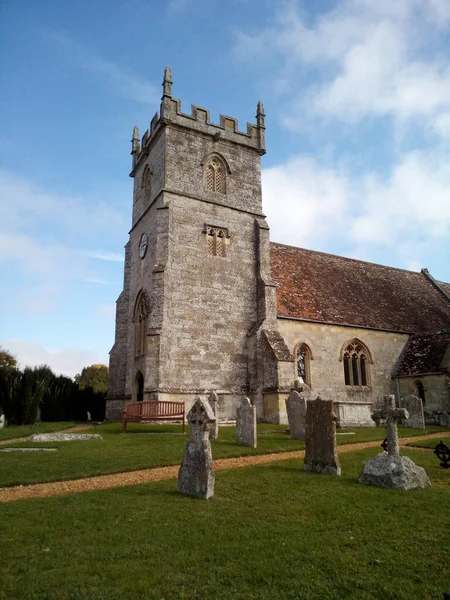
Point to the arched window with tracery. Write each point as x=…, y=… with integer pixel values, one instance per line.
x=215, y=176
x=303, y=358
x=140, y=323
x=356, y=359
x=217, y=240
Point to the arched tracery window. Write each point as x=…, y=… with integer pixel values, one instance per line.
x=217, y=239
x=140, y=323
x=356, y=361
x=303, y=358
x=215, y=176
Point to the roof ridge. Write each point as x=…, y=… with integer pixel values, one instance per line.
x=435, y=284
x=357, y=260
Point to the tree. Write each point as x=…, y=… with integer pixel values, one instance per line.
x=8, y=374
x=21, y=393
x=95, y=377
x=8, y=361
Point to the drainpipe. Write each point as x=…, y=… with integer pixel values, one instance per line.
x=398, y=392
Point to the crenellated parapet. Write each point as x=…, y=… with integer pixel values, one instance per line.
x=199, y=120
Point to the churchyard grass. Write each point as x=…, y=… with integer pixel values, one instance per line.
x=162, y=445
x=431, y=443
x=9, y=433
x=271, y=531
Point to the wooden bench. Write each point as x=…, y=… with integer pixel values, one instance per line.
x=154, y=410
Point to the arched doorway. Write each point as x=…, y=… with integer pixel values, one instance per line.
x=420, y=390
x=139, y=387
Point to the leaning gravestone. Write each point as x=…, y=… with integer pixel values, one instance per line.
x=414, y=407
x=320, y=452
x=389, y=469
x=296, y=412
x=214, y=427
x=196, y=475
x=246, y=424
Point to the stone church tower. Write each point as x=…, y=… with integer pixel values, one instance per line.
x=198, y=308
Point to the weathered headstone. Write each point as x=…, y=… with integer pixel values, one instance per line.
x=414, y=407
x=320, y=453
x=246, y=424
x=296, y=412
x=389, y=469
x=301, y=386
x=214, y=427
x=196, y=475
x=2, y=421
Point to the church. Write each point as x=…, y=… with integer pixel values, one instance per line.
x=209, y=303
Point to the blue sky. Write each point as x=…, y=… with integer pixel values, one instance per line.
x=357, y=98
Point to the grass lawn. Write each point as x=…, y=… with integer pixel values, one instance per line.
x=137, y=450
x=271, y=532
x=432, y=443
x=8, y=433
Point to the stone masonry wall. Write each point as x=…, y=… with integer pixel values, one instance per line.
x=436, y=388
x=327, y=372
x=210, y=301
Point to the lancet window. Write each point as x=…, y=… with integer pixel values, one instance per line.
x=356, y=364
x=140, y=324
x=302, y=363
x=420, y=390
x=215, y=176
x=147, y=181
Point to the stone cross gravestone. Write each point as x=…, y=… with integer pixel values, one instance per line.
x=389, y=469
x=320, y=453
x=392, y=414
x=296, y=412
x=214, y=427
x=246, y=424
x=414, y=407
x=196, y=475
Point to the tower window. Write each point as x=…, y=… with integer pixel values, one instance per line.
x=215, y=176
x=217, y=240
x=356, y=364
x=140, y=324
x=147, y=181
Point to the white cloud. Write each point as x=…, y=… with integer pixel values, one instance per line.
x=370, y=58
x=407, y=214
x=117, y=77
x=103, y=255
x=64, y=361
x=304, y=203
x=40, y=236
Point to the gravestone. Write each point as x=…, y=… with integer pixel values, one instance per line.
x=414, y=407
x=320, y=452
x=296, y=412
x=214, y=427
x=389, y=469
x=196, y=475
x=246, y=424
x=2, y=421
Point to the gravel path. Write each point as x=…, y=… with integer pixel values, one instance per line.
x=103, y=482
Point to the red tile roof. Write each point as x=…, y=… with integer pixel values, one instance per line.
x=423, y=354
x=315, y=286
